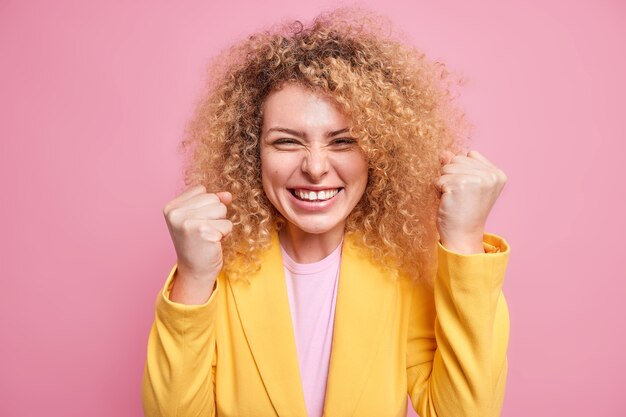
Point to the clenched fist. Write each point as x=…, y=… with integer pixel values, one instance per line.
x=469, y=186
x=197, y=223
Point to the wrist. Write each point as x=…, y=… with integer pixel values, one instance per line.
x=465, y=244
x=195, y=277
x=187, y=290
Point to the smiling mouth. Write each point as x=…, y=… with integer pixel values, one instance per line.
x=314, y=196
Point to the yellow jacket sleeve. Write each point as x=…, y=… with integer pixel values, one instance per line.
x=180, y=365
x=459, y=367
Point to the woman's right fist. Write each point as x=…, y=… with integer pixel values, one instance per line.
x=197, y=223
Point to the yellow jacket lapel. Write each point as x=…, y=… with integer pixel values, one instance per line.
x=263, y=308
x=364, y=306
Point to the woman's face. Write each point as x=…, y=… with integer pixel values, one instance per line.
x=313, y=172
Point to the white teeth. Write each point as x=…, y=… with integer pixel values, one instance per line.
x=316, y=196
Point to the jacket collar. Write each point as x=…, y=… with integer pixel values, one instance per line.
x=364, y=300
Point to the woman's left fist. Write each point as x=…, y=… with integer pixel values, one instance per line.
x=469, y=185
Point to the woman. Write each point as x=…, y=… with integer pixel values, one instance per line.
x=331, y=250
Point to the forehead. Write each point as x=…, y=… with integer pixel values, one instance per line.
x=296, y=107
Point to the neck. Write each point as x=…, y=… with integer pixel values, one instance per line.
x=306, y=248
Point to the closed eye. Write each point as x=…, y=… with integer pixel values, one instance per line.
x=285, y=142
x=343, y=142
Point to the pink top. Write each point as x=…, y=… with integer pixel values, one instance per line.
x=312, y=291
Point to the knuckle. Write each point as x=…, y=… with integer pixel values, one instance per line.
x=210, y=234
x=459, y=185
x=485, y=182
x=174, y=215
x=169, y=215
x=187, y=225
x=168, y=208
x=211, y=198
x=465, y=181
x=221, y=210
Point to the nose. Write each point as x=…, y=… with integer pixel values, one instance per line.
x=315, y=164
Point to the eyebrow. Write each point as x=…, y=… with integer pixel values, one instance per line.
x=301, y=134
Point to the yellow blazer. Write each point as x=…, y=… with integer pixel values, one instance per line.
x=444, y=345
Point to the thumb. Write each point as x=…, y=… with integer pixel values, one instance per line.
x=225, y=197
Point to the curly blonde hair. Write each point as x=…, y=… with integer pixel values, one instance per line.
x=402, y=108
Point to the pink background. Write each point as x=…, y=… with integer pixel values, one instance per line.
x=93, y=101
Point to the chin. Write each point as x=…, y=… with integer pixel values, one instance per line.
x=311, y=229
x=314, y=228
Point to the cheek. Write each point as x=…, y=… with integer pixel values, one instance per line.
x=277, y=168
x=267, y=170
x=271, y=173
x=266, y=177
x=274, y=175
x=269, y=188
x=361, y=176
x=358, y=170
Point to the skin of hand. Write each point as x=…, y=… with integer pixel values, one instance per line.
x=197, y=224
x=469, y=185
